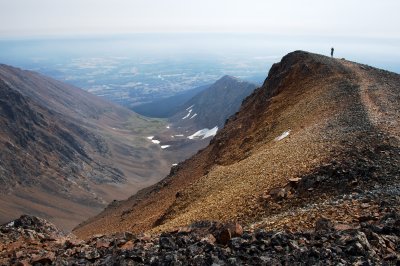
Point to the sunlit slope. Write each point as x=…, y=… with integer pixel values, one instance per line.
x=318, y=127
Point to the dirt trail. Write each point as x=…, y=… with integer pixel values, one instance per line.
x=380, y=97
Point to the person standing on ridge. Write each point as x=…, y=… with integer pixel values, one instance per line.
x=332, y=51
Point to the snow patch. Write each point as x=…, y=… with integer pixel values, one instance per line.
x=190, y=107
x=283, y=135
x=211, y=133
x=168, y=127
x=179, y=135
x=186, y=116
x=156, y=141
x=174, y=164
x=204, y=133
x=193, y=116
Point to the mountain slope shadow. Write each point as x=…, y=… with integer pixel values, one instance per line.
x=66, y=153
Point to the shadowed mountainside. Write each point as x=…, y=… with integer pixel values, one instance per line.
x=211, y=107
x=65, y=153
x=319, y=128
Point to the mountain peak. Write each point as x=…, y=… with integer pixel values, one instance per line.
x=215, y=104
x=229, y=79
x=301, y=65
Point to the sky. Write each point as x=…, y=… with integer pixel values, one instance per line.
x=360, y=18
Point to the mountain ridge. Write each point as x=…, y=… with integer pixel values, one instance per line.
x=312, y=122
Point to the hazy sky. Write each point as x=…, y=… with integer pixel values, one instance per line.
x=374, y=18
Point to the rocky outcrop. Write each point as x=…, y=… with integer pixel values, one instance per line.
x=30, y=240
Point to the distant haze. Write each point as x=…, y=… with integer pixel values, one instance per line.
x=368, y=18
x=136, y=51
x=252, y=49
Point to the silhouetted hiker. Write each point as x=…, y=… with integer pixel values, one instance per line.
x=332, y=51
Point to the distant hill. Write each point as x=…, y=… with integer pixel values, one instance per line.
x=169, y=106
x=197, y=120
x=65, y=152
x=319, y=139
x=211, y=107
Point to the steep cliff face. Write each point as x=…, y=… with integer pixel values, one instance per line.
x=317, y=129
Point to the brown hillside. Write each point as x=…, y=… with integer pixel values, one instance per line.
x=342, y=135
x=65, y=153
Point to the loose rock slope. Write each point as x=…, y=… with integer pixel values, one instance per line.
x=318, y=128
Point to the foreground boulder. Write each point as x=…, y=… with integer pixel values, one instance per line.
x=33, y=241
